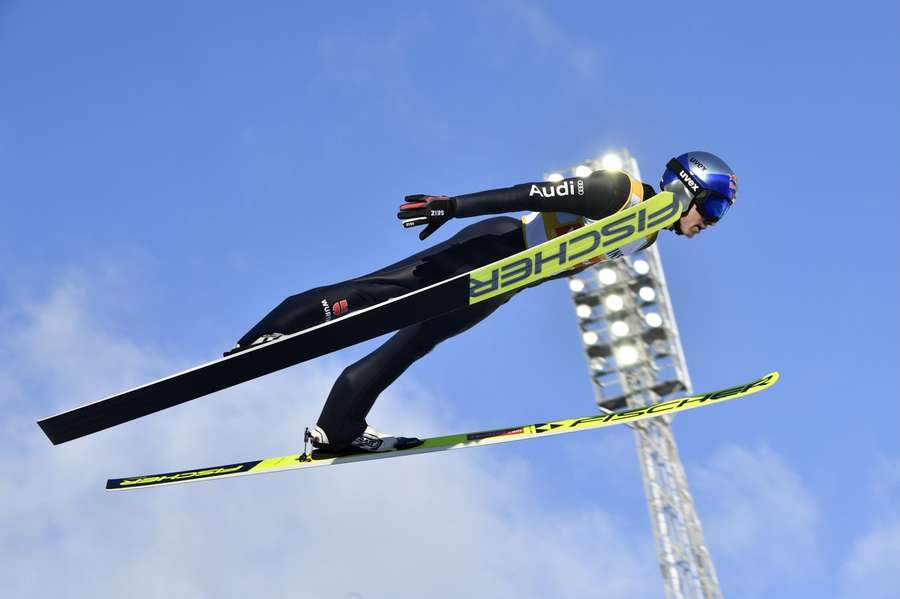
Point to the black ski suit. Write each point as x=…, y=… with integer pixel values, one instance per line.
x=343, y=417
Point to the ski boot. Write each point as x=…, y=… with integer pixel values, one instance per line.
x=370, y=441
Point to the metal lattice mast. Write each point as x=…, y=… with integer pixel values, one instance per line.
x=635, y=357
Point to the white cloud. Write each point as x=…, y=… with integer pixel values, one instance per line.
x=522, y=36
x=550, y=35
x=886, y=489
x=759, y=520
x=871, y=568
x=439, y=526
x=379, y=67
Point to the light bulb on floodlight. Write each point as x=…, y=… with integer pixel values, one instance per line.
x=626, y=355
x=611, y=162
x=607, y=276
x=555, y=177
x=647, y=294
x=583, y=311
x=583, y=170
x=641, y=267
x=653, y=319
x=576, y=285
x=614, y=303
x=619, y=328
x=590, y=338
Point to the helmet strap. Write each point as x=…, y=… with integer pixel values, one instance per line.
x=692, y=184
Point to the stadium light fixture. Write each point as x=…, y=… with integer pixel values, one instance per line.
x=647, y=294
x=626, y=355
x=653, y=319
x=607, y=276
x=583, y=170
x=576, y=285
x=611, y=162
x=614, y=303
x=641, y=267
x=619, y=328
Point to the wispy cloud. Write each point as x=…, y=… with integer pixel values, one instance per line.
x=870, y=569
x=438, y=526
x=759, y=519
x=376, y=71
x=550, y=36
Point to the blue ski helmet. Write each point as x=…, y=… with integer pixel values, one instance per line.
x=701, y=179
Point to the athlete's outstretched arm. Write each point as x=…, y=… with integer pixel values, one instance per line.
x=595, y=197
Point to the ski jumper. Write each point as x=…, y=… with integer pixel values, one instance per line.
x=557, y=208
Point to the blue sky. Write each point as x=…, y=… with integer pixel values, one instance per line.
x=169, y=172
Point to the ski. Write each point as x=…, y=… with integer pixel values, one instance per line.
x=519, y=270
x=459, y=441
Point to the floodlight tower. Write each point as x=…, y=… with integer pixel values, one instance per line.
x=635, y=357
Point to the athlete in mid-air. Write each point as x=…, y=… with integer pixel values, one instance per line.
x=702, y=182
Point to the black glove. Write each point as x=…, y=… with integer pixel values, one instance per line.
x=432, y=211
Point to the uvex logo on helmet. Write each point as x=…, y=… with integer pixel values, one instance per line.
x=566, y=188
x=688, y=180
x=697, y=163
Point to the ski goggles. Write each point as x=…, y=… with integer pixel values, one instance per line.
x=711, y=205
